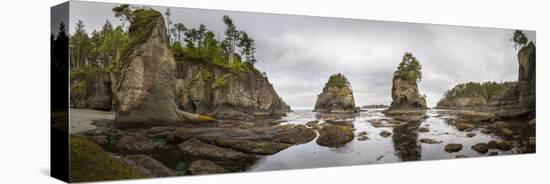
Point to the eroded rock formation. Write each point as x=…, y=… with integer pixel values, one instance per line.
x=146, y=80
x=405, y=95
x=520, y=99
x=213, y=90
x=336, y=97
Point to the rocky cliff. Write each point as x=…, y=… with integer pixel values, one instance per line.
x=146, y=81
x=336, y=97
x=472, y=95
x=91, y=89
x=520, y=99
x=470, y=102
x=226, y=93
x=405, y=95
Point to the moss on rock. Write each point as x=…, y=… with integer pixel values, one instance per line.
x=89, y=162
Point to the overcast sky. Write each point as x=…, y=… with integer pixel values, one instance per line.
x=299, y=53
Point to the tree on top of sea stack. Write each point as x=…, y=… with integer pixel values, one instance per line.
x=405, y=93
x=336, y=97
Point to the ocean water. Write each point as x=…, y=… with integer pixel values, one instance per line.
x=403, y=145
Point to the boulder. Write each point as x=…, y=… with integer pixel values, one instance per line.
x=150, y=166
x=139, y=144
x=88, y=161
x=335, y=135
x=336, y=97
x=385, y=134
x=464, y=127
x=505, y=145
x=198, y=149
x=481, y=148
x=430, y=141
x=199, y=167
x=471, y=134
x=450, y=148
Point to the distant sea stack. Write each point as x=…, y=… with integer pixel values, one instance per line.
x=519, y=100
x=336, y=97
x=405, y=93
x=145, y=75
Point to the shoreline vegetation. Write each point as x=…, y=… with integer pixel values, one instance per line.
x=191, y=71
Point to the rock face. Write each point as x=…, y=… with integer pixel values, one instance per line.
x=405, y=95
x=91, y=90
x=336, y=97
x=146, y=80
x=224, y=94
x=461, y=103
x=520, y=99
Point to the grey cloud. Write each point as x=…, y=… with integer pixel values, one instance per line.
x=299, y=53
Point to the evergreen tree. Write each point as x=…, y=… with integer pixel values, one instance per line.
x=232, y=35
x=79, y=46
x=519, y=39
x=409, y=68
x=246, y=44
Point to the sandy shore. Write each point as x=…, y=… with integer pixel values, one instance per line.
x=80, y=119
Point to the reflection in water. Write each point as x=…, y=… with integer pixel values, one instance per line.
x=405, y=141
x=403, y=145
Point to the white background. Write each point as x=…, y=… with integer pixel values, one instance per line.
x=24, y=95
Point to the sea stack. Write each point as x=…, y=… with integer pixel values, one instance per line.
x=336, y=97
x=405, y=93
x=145, y=77
x=518, y=100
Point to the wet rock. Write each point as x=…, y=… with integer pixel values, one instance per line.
x=499, y=125
x=288, y=134
x=336, y=97
x=505, y=145
x=198, y=149
x=430, y=141
x=377, y=123
x=89, y=162
x=473, y=116
x=362, y=136
x=335, y=135
x=464, y=127
x=487, y=131
x=471, y=134
x=151, y=166
x=256, y=147
x=506, y=132
x=423, y=129
x=461, y=156
x=312, y=123
x=481, y=148
x=385, y=134
x=199, y=167
x=450, y=148
x=135, y=144
x=494, y=153
x=101, y=140
x=492, y=144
